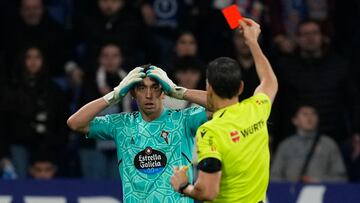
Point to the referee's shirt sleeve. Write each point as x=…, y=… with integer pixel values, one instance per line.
x=102, y=128
x=262, y=103
x=208, y=144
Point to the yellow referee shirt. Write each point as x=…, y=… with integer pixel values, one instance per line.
x=237, y=136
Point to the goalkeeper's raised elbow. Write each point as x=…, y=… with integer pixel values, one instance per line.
x=75, y=125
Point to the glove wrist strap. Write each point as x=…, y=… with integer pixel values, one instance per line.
x=110, y=98
x=179, y=93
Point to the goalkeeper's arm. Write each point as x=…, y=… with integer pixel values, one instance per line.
x=80, y=121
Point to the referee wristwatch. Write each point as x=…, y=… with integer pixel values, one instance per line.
x=183, y=186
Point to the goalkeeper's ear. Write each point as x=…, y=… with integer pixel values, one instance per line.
x=163, y=95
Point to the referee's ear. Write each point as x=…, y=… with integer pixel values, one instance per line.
x=209, y=87
x=241, y=88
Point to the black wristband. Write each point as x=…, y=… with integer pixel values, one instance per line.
x=183, y=187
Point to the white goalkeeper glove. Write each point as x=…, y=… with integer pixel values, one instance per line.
x=133, y=77
x=170, y=88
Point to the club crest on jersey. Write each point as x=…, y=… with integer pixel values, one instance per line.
x=150, y=161
x=235, y=137
x=165, y=135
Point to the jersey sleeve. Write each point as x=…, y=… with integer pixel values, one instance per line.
x=262, y=103
x=103, y=127
x=195, y=116
x=207, y=144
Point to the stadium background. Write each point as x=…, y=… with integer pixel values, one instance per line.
x=86, y=46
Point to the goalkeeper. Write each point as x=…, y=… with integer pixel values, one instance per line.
x=149, y=142
x=233, y=147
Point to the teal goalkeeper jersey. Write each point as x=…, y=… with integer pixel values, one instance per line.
x=148, y=151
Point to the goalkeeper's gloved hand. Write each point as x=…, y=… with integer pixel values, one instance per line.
x=170, y=88
x=133, y=77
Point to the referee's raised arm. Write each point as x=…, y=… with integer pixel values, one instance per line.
x=268, y=82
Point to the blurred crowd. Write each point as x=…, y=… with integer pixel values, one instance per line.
x=57, y=55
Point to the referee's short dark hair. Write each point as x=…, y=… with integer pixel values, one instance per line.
x=224, y=76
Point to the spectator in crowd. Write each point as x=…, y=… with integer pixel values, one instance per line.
x=37, y=111
x=164, y=18
x=43, y=166
x=318, y=76
x=110, y=72
x=242, y=54
x=185, y=45
x=352, y=158
x=99, y=160
x=188, y=72
x=117, y=22
x=286, y=15
x=326, y=164
x=34, y=26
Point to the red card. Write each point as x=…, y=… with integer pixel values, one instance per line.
x=232, y=15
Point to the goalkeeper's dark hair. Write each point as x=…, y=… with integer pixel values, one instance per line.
x=146, y=67
x=224, y=75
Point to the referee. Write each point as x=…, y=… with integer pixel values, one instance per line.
x=233, y=147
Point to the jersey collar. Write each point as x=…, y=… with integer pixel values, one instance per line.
x=219, y=113
x=163, y=113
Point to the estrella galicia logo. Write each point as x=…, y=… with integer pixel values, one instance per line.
x=150, y=161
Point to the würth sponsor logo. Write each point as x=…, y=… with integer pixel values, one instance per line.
x=235, y=137
x=253, y=128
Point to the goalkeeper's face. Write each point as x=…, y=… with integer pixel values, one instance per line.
x=149, y=96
